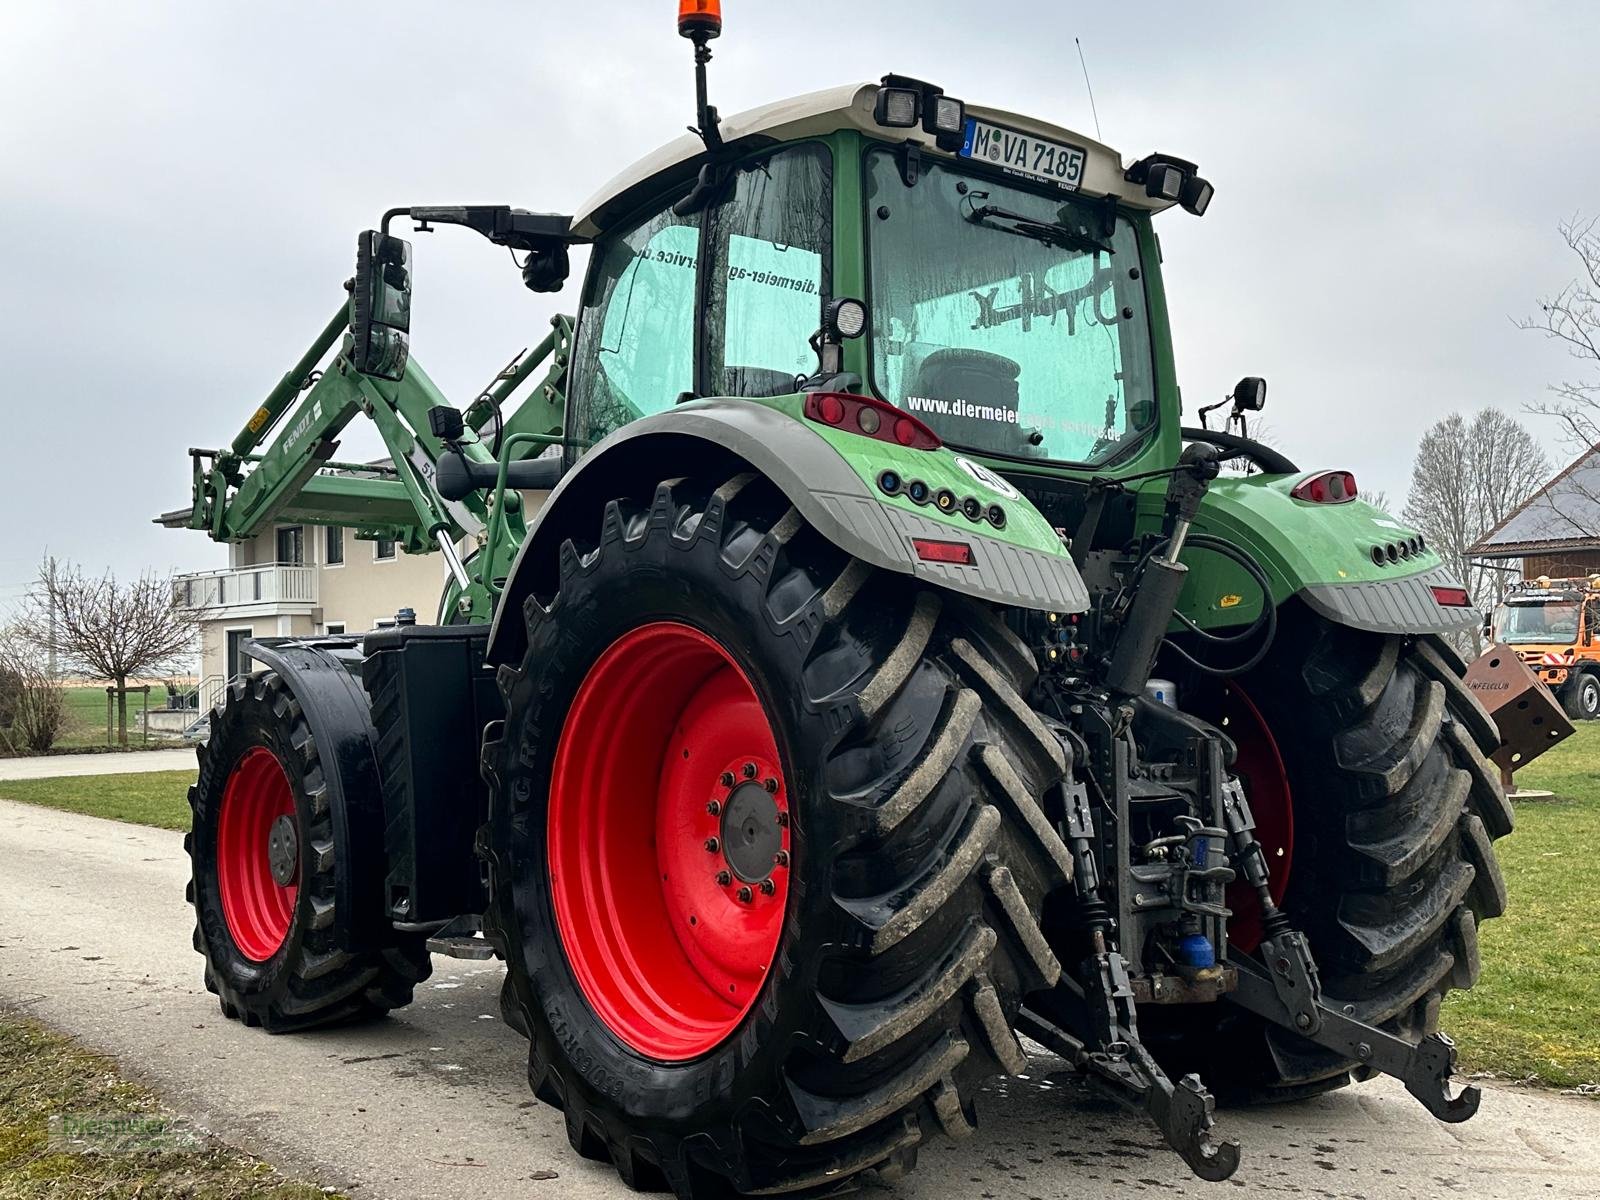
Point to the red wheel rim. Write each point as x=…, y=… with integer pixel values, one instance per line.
x=1260, y=769
x=668, y=833
x=258, y=909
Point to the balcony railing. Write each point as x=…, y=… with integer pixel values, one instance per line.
x=264, y=583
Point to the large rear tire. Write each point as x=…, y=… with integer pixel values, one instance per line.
x=872, y=990
x=1390, y=868
x=261, y=852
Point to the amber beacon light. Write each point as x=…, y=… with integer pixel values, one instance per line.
x=699, y=18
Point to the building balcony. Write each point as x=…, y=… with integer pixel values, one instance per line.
x=265, y=587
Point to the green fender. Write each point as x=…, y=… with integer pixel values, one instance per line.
x=831, y=478
x=1322, y=553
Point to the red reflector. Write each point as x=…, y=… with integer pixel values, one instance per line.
x=1329, y=487
x=1452, y=597
x=830, y=409
x=946, y=552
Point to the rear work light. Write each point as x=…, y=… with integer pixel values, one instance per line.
x=870, y=417
x=930, y=550
x=1452, y=597
x=1330, y=487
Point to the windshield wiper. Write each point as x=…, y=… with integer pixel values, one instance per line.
x=1051, y=234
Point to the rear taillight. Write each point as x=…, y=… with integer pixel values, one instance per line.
x=1330, y=487
x=1452, y=597
x=930, y=550
x=870, y=417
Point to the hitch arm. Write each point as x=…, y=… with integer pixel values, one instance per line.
x=1425, y=1068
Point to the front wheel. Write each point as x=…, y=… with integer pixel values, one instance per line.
x=1580, y=698
x=263, y=883
x=763, y=849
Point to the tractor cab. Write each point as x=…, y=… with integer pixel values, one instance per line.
x=1007, y=267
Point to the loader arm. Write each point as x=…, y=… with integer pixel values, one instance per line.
x=242, y=490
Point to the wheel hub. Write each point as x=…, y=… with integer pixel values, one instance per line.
x=283, y=850
x=751, y=835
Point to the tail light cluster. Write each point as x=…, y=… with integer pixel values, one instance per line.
x=1330, y=487
x=870, y=417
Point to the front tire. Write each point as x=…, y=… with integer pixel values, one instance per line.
x=1580, y=698
x=262, y=882
x=886, y=966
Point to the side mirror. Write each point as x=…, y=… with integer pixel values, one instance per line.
x=1250, y=394
x=380, y=306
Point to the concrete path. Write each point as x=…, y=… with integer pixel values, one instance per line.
x=128, y=762
x=94, y=938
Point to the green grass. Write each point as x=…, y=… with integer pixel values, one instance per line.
x=43, y=1074
x=1535, y=1012
x=158, y=798
x=86, y=716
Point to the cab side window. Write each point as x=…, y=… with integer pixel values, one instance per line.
x=769, y=244
x=635, y=343
x=772, y=240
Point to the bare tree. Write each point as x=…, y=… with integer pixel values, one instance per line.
x=1467, y=477
x=1572, y=317
x=111, y=630
x=33, y=711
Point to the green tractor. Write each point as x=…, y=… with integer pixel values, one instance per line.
x=888, y=673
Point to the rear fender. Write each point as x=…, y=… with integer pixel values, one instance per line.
x=324, y=677
x=1334, y=557
x=829, y=480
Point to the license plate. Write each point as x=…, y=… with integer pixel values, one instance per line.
x=1023, y=154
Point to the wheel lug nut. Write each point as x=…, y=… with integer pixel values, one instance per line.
x=783, y=819
x=770, y=784
x=781, y=858
x=749, y=770
x=714, y=807
x=745, y=894
x=713, y=845
x=727, y=779
x=768, y=887
x=724, y=878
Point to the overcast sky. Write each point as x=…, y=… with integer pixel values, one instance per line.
x=181, y=186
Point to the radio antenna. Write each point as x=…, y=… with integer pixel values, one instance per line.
x=1088, y=87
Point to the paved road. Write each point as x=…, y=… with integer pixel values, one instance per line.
x=94, y=938
x=48, y=766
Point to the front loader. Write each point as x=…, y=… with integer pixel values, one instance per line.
x=887, y=674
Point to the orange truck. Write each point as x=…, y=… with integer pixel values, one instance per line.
x=1551, y=624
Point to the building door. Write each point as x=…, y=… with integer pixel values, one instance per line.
x=292, y=545
x=238, y=662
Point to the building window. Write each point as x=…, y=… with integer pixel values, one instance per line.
x=335, y=547
x=383, y=548
x=238, y=662
x=292, y=545
x=333, y=627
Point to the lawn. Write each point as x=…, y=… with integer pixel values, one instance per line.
x=158, y=798
x=1535, y=1013
x=43, y=1075
x=86, y=715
